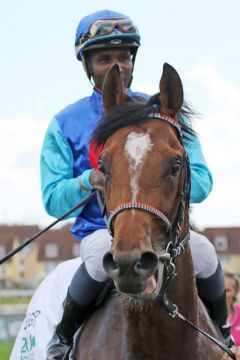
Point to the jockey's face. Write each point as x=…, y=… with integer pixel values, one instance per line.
x=100, y=61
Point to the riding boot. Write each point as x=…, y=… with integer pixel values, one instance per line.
x=213, y=294
x=73, y=316
x=79, y=302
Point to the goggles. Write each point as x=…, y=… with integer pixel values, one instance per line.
x=104, y=30
x=109, y=26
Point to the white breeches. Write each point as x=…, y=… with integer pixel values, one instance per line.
x=94, y=246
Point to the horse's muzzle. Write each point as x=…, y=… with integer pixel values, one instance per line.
x=131, y=270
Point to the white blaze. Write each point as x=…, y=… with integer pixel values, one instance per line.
x=136, y=148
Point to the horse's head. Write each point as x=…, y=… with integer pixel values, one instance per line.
x=144, y=164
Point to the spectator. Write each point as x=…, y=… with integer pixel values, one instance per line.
x=232, y=288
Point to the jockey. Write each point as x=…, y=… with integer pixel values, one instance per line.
x=103, y=39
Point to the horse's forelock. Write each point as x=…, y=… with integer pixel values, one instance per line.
x=134, y=111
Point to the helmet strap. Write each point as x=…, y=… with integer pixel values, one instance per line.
x=97, y=88
x=133, y=62
x=86, y=69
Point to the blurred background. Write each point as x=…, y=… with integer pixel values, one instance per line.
x=39, y=75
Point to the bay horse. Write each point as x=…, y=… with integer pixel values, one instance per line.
x=147, y=185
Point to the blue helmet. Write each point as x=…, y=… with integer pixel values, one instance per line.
x=106, y=29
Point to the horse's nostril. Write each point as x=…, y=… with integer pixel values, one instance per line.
x=142, y=265
x=147, y=264
x=110, y=265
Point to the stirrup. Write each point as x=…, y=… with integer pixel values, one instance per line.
x=226, y=333
x=58, y=347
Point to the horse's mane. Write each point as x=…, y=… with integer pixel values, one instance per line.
x=134, y=111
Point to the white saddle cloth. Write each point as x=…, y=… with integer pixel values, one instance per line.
x=43, y=313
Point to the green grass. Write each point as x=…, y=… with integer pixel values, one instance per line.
x=14, y=300
x=5, y=350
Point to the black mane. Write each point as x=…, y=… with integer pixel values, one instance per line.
x=134, y=111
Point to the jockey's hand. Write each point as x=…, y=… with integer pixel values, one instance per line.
x=236, y=351
x=96, y=179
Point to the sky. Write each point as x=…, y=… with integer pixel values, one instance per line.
x=39, y=76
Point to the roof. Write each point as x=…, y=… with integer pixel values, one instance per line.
x=62, y=238
x=20, y=231
x=9, y=233
x=231, y=234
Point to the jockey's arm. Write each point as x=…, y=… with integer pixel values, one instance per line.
x=201, y=177
x=60, y=189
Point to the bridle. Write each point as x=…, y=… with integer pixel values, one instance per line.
x=176, y=245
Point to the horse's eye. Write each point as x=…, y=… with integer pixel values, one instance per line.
x=103, y=167
x=101, y=164
x=176, y=167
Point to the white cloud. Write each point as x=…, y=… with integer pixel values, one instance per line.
x=145, y=88
x=21, y=140
x=41, y=104
x=20, y=145
x=219, y=132
x=216, y=87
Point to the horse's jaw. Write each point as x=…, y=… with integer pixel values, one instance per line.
x=154, y=284
x=147, y=289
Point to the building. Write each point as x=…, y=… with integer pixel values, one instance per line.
x=21, y=267
x=35, y=261
x=28, y=267
x=55, y=247
x=226, y=241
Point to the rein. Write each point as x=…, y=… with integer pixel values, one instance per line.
x=172, y=310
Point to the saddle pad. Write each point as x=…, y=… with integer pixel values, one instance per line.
x=44, y=312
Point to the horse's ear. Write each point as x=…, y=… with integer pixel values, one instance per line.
x=113, y=91
x=171, y=91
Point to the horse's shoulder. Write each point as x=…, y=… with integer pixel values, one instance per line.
x=205, y=321
x=103, y=324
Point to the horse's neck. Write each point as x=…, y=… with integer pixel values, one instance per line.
x=127, y=333
x=183, y=291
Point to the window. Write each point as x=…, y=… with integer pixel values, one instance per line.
x=225, y=259
x=49, y=266
x=2, y=251
x=76, y=250
x=51, y=251
x=221, y=243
